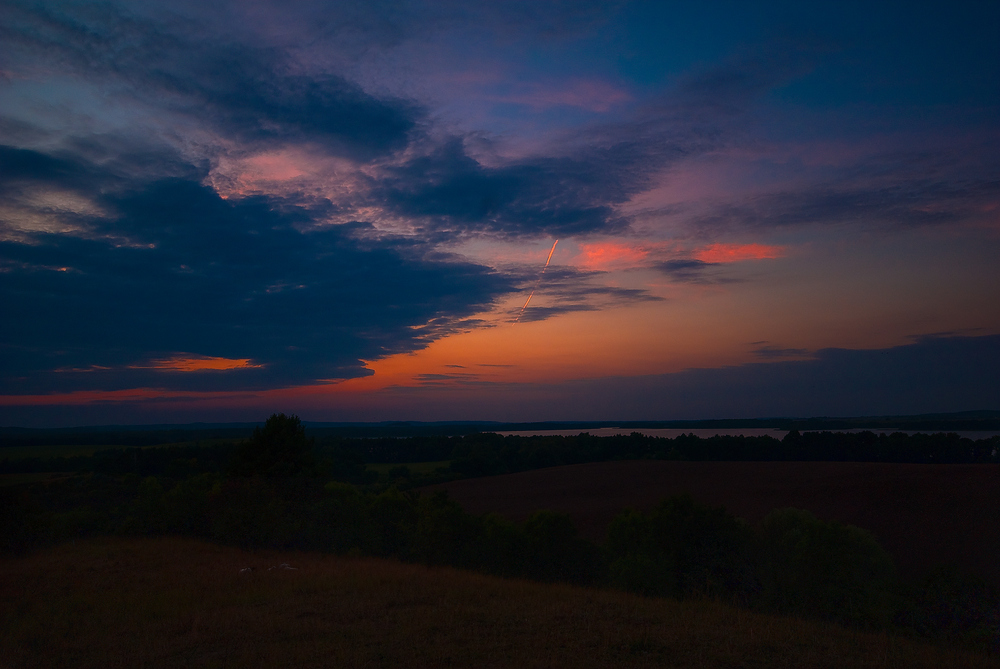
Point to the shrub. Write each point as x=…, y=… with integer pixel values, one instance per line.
x=445, y=533
x=341, y=519
x=392, y=526
x=682, y=549
x=826, y=569
x=554, y=552
x=185, y=507
x=955, y=606
x=248, y=514
x=502, y=549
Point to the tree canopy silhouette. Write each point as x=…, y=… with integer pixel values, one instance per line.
x=280, y=448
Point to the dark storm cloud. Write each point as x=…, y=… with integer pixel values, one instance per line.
x=455, y=193
x=20, y=165
x=577, y=190
x=575, y=194
x=89, y=166
x=197, y=274
x=565, y=290
x=902, y=204
x=254, y=94
x=895, y=190
x=688, y=270
x=259, y=94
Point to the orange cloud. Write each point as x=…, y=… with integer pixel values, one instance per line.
x=608, y=255
x=723, y=253
x=78, y=397
x=197, y=363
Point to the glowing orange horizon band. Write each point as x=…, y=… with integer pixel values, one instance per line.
x=539, y=280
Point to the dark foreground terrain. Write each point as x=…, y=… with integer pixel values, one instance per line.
x=167, y=602
x=924, y=515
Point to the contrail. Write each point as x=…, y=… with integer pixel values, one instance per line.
x=537, y=281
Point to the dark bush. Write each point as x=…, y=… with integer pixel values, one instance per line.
x=185, y=507
x=955, y=606
x=393, y=524
x=554, y=551
x=502, y=548
x=342, y=519
x=247, y=513
x=146, y=513
x=445, y=533
x=826, y=569
x=682, y=549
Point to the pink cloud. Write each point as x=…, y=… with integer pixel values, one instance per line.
x=725, y=253
x=610, y=255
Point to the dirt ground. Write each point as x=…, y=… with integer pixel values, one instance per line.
x=923, y=515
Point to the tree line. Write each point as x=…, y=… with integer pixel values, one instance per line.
x=485, y=454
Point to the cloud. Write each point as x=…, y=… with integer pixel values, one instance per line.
x=171, y=271
x=577, y=186
x=767, y=352
x=611, y=255
x=687, y=270
x=566, y=290
x=254, y=94
x=259, y=98
x=935, y=374
x=186, y=362
x=446, y=380
x=699, y=265
x=898, y=190
x=452, y=192
x=726, y=253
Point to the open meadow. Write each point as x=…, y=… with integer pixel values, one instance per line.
x=168, y=602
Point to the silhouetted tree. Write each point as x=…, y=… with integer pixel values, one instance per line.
x=279, y=449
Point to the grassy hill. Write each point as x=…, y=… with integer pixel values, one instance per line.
x=169, y=602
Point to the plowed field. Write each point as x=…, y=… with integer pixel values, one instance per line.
x=923, y=514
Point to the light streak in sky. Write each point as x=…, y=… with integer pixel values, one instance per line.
x=537, y=281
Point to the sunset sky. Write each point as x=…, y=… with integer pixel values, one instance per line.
x=212, y=211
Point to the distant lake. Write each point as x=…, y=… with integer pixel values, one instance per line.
x=734, y=432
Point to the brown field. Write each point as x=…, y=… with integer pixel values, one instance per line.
x=178, y=602
x=923, y=514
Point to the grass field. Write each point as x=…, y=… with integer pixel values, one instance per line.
x=178, y=602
